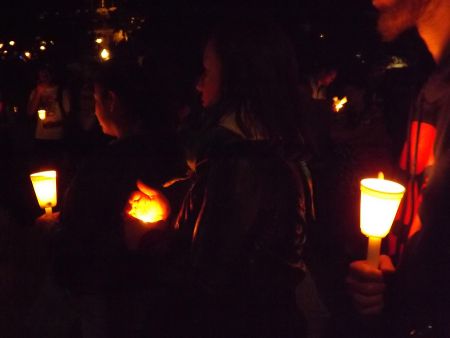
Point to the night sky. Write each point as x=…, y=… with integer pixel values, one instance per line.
x=323, y=31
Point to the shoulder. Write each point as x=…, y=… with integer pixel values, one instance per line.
x=437, y=87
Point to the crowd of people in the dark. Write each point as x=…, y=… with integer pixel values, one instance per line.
x=254, y=171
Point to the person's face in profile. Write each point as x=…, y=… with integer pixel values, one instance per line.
x=396, y=16
x=103, y=110
x=209, y=84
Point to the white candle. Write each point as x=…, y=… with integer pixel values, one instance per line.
x=44, y=184
x=380, y=200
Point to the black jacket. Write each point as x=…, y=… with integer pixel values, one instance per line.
x=245, y=217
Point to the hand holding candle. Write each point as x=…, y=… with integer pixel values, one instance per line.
x=148, y=204
x=148, y=209
x=380, y=199
x=44, y=184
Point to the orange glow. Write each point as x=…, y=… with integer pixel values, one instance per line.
x=148, y=205
x=424, y=143
x=338, y=104
x=105, y=54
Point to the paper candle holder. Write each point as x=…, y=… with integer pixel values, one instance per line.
x=44, y=184
x=380, y=200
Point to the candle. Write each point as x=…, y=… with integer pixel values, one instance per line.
x=380, y=200
x=148, y=205
x=338, y=104
x=44, y=184
x=42, y=114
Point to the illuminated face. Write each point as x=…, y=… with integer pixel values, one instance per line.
x=209, y=84
x=396, y=16
x=103, y=110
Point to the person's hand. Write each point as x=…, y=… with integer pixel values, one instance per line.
x=367, y=286
x=147, y=209
x=47, y=222
x=135, y=229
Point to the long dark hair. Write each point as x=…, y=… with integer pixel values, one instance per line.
x=259, y=78
x=137, y=93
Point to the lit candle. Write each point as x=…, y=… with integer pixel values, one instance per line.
x=105, y=55
x=380, y=199
x=42, y=114
x=44, y=184
x=148, y=205
x=338, y=104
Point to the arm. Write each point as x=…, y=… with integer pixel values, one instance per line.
x=66, y=101
x=35, y=99
x=228, y=207
x=33, y=102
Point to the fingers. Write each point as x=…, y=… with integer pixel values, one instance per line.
x=366, y=286
x=362, y=270
x=386, y=265
x=145, y=188
x=369, y=306
x=136, y=196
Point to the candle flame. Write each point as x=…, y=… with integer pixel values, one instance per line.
x=148, y=205
x=105, y=54
x=338, y=104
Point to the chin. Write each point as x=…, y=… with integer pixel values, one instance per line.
x=381, y=4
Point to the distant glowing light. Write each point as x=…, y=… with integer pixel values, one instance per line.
x=120, y=36
x=322, y=36
x=105, y=54
x=99, y=40
x=42, y=114
x=397, y=62
x=338, y=104
x=42, y=47
x=5, y=52
x=27, y=55
x=12, y=43
x=1, y=45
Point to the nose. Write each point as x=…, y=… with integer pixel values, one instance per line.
x=199, y=85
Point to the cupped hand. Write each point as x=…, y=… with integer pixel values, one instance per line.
x=47, y=221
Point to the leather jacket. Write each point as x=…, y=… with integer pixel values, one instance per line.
x=245, y=215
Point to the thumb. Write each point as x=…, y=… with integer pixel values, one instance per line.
x=145, y=188
x=386, y=265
